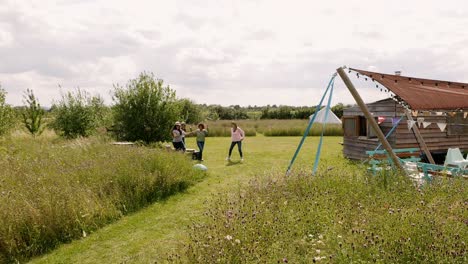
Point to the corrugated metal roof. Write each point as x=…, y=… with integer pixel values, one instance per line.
x=424, y=94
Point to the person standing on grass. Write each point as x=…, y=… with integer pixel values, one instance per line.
x=184, y=131
x=201, y=133
x=177, y=137
x=237, y=135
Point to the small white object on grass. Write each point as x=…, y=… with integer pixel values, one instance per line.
x=200, y=166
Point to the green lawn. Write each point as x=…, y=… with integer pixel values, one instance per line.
x=161, y=229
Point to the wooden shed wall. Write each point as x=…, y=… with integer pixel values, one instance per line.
x=355, y=147
x=436, y=140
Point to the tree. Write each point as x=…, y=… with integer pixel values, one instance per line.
x=77, y=114
x=6, y=114
x=338, y=110
x=191, y=113
x=32, y=114
x=145, y=109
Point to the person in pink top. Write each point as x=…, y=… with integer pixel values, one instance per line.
x=237, y=135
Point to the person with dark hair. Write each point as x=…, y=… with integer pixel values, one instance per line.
x=177, y=137
x=201, y=133
x=237, y=135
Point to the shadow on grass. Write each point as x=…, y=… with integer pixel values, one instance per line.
x=232, y=163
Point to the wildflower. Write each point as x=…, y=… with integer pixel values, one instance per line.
x=228, y=237
x=237, y=241
x=229, y=214
x=318, y=258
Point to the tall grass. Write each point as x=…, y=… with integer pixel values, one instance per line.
x=316, y=130
x=340, y=216
x=226, y=132
x=273, y=127
x=53, y=191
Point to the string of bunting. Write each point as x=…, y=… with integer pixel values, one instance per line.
x=382, y=88
x=421, y=123
x=441, y=125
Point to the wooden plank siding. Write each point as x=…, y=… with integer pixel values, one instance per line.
x=436, y=140
x=356, y=147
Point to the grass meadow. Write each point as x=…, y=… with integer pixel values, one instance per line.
x=53, y=191
x=334, y=218
x=251, y=213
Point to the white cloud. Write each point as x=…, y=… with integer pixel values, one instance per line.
x=239, y=52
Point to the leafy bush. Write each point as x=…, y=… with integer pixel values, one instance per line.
x=32, y=114
x=233, y=112
x=6, y=114
x=77, y=114
x=190, y=112
x=51, y=193
x=340, y=216
x=338, y=109
x=145, y=109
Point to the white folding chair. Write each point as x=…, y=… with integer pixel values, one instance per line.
x=455, y=158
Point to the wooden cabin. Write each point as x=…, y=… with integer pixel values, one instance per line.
x=359, y=137
x=443, y=105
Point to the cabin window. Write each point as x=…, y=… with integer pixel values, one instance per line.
x=457, y=125
x=370, y=132
x=351, y=126
x=357, y=126
x=362, y=126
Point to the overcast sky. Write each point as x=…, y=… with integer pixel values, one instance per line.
x=253, y=52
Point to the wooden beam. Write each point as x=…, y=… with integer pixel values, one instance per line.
x=420, y=139
x=369, y=118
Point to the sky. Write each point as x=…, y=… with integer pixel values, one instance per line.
x=252, y=52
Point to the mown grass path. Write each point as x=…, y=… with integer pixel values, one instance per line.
x=161, y=229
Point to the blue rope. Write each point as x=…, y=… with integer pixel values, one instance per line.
x=390, y=132
x=319, y=148
x=311, y=121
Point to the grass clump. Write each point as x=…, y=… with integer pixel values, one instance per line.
x=53, y=191
x=338, y=217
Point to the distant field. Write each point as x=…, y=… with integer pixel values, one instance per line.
x=271, y=127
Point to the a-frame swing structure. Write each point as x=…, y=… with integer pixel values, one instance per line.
x=419, y=94
x=329, y=92
x=362, y=105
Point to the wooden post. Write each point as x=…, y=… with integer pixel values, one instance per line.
x=420, y=139
x=369, y=117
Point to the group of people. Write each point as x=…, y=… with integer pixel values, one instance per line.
x=179, y=131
